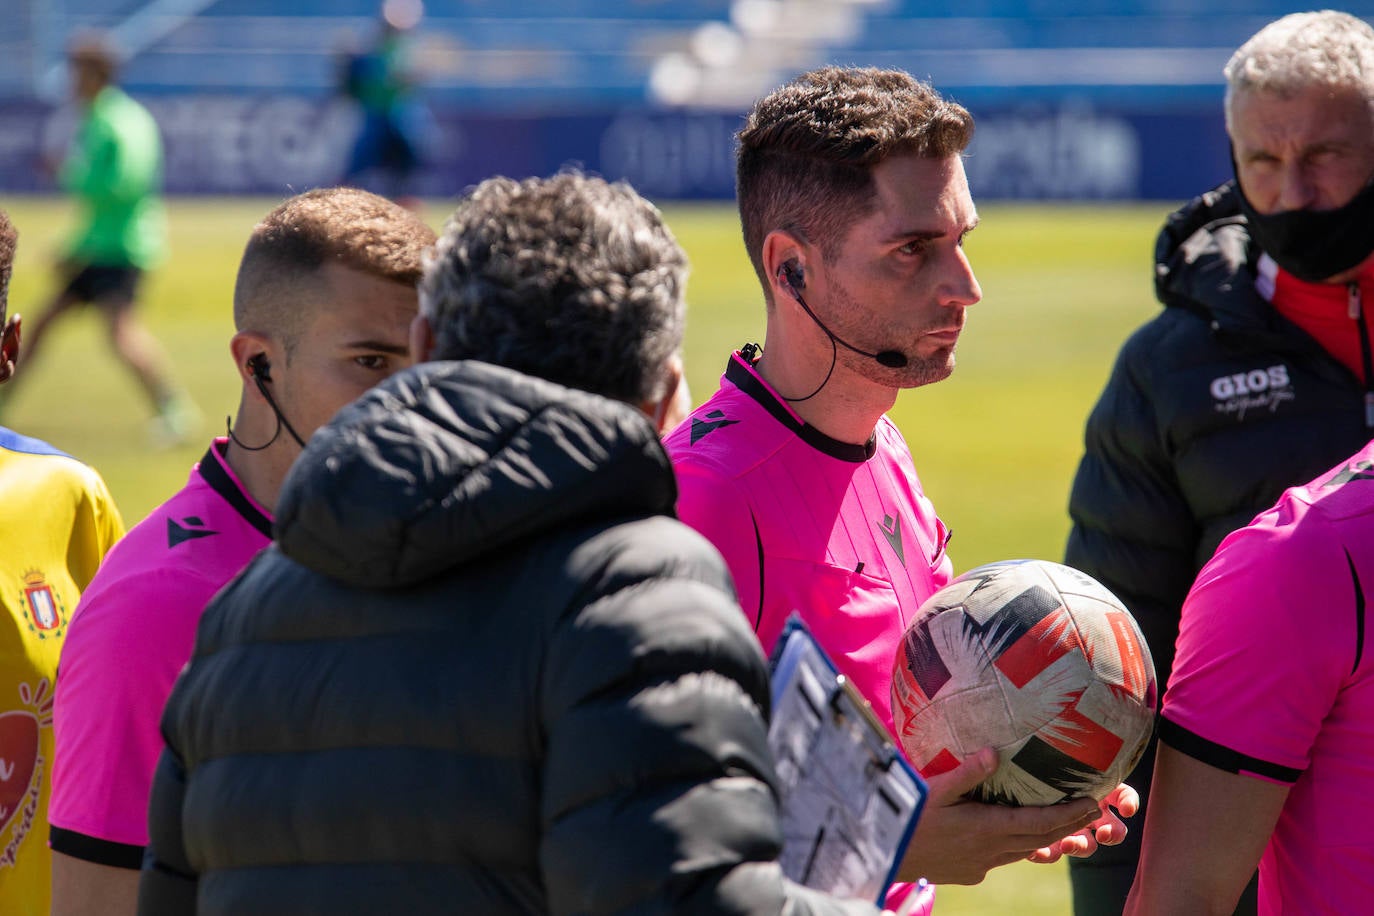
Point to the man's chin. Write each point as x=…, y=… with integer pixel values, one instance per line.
x=928, y=370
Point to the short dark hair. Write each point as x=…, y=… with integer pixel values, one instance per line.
x=348, y=226
x=9, y=240
x=567, y=278
x=92, y=51
x=807, y=151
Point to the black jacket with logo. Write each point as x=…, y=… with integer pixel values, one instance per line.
x=484, y=670
x=1213, y=409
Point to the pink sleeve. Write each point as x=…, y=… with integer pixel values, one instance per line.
x=716, y=506
x=911, y=899
x=128, y=641
x=1264, y=642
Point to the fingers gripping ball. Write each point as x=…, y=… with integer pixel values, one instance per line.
x=1037, y=660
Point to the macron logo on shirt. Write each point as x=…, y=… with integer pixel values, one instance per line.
x=892, y=530
x=714, y=421
x=193, y=528
x=1363, y=470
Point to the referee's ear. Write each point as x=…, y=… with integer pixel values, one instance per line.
x=676, y=402
x=245, y=345
x=9, y=344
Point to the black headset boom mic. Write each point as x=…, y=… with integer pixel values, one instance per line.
x=790, y=273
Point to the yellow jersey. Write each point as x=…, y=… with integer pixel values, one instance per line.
x=57, y=522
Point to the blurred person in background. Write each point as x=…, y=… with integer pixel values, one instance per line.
x=114, y=171
x=483, y=669
x=1257, y=375
x=57, y=522
x=395, y=124
x=854, y=207
x=322, y=306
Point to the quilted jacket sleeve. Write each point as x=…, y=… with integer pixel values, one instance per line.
x=1132, y=526
x=168, y=882
x=659, y=787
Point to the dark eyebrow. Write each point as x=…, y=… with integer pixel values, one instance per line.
x=380, y=346
x=911, y=235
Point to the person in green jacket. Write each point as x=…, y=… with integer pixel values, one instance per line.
x=114, y=171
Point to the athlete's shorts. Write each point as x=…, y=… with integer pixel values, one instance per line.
x=98, y=283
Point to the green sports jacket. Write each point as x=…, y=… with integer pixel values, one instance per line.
x=115, y=171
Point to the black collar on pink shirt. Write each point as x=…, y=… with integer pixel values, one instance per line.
x=213, y=472
x=738, y=372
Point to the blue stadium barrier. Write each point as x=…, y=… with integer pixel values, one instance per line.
x=279, y=145
x=524, y=9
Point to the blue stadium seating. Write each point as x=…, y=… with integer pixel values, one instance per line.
x=587, y=54
x=1128, y=51
x=668, y=10
x=491, y=54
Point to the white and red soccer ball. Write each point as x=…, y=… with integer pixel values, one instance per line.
x=1037, y=660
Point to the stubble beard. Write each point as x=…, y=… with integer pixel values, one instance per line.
x=918, y=371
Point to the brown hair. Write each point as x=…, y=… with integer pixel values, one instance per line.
x=346, y=226
x=91, y=51
x=807, y=150
x=9, y=240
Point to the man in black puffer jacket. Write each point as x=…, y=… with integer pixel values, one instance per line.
x=484, y=670
x=1257, y=375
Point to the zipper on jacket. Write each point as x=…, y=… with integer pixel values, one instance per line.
x=1356, y=311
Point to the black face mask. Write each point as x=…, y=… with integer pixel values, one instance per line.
x=1313, y=245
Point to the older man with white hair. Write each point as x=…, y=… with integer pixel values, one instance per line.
x=1256, y=377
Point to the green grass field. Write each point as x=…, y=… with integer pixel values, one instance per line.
x=996, y=444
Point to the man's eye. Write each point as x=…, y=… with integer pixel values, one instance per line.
x=372, y=361
x=915, y=246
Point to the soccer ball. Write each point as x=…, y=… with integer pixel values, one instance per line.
x=1037, y=660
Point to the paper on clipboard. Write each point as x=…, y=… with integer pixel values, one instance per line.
x=849, y=799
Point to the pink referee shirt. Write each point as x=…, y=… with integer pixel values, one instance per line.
x=1274, y=679
x=130, y=636
x=840, y=533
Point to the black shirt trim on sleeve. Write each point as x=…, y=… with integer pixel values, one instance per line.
x=1219, y=756
x=92, y=849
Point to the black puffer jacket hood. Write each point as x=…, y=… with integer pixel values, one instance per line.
x=1205, y=263
x=460, y=459
x=1204, y=260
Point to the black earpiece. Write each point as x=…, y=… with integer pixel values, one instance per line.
x=793, y=276
x=260, y=367
x=261, y=370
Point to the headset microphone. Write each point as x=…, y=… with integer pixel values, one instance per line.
x=794, y=279
x=262, y=374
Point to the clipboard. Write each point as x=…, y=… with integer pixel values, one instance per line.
x=849, y=799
